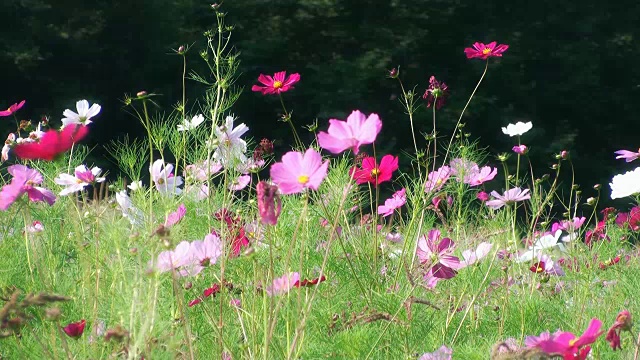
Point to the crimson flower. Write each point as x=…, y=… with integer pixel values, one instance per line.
x=623, y=322
x=236, y=231
x=212, y=291
x=482, y=51
x=373, y=173
x=269, y=203
x=52, y=143
x=632, y=219
x=76, y=329
x=12, y=109
x=276, y=84
x=436, y=93
x=309, y=283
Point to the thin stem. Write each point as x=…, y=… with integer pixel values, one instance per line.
x=287, y=118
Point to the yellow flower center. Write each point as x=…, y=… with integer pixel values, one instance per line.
x=277, y=84
x=375, y=172
x=486, y=51
x=573, y=341
x=161, y=181
x=303, y=179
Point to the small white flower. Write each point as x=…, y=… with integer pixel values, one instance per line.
x=626, y=184
x=84, y=115
x=518, y=128
x=136, y=185
x=231, y=147
x=190, y=125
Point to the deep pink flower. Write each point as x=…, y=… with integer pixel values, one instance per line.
x=310, y=283
x=520, y=149
x=269, y=203
x=52, y=143
x=437, y=253
x=483, y=51
x=395, y=201
x=510, y=196
x=298, y=171
x=12, y=109
x=283, y=284
x=437, y=178
x=372, y=173
x=623, y=322
x=23, y=181
x=76, y=329
x=482, y=196
x=631, y=219
x=277, y=84
x=628, y=156
x=568, y=225
x=436, y=201
x=569, y=345
x=236, y=231
x=212, y=291
x=351, y=134
x=547, y=266
x=175, y=216
x=436, y=93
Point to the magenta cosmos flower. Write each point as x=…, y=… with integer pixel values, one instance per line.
x=298, y=171
x=277, y=84
x=482, y=51
x=437, y=253
x=357, y=130
x=627, y=155
x=370, y=172
x=76, y=329
x=12, y=109
x=23, y=181
x=568, y=344
x=398, y=199
x=510, y=196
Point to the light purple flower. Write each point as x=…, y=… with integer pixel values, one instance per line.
x=480, y=176
x=283, y=284
x=628, y=156
x=470, y=257
x=240, y=183
x=443, y=353
x=395, y=201
x=207, y=251
x=510, y=196
x=174, y=259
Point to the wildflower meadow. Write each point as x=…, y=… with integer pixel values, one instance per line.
x=210, y=244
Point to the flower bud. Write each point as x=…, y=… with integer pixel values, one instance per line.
x=597, y=186
x=394, y=73
x=591, y=201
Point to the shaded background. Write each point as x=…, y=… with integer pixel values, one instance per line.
x=570, y=68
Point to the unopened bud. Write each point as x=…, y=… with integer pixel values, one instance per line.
x=545, y=176
x=575, y=187
x=597, y=186
x=591, y=201
x=394, y=73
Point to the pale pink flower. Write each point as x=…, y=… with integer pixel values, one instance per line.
x=200, y=172
x=269, y=203
x=23, y=181
x=480, y=176
x=283, y=284
x=162, y=176
x=443, y=353
x=351, y=134
x=175, y=217
x=470, y=257
x=240, y=183
x=436, y=179
x=207, y=251
x=174, y=259
x=628, y=156
x=462, y=168
x=297, y=172
x=35, y=227
x=510, y=196
x=395, y=201
x=82, y=178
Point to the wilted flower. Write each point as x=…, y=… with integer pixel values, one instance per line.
x=351, y=134
x=277, y=84
x=84, y=115
x=269, y=203
x=517, y=129
x=482, y=51
x=623, y=322
x=436, y=93
x=626, y=184
x=297, y=172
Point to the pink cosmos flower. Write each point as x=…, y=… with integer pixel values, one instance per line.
x=510, y=196
x=174, y=259
x=569, y=345
x=482, y=196
x=395, y=201
x=76, y=329
x=240, y=183
x=276, y=84
x=207, y=251
x=297, y=172
x=568, y=225
x=480, y=176
x=351, y=134
x=269, y=203
x=436, y=179
x=628, y=156
x=437, y=253
x=35, y=227
x=175, y=217
x=443, y=353
x=623, y=322
x=82, y=178
x=200, y=172
x=23, y=181
x=12, y=109
x=520, y=149
x=483, y=51
x=52, y=143
x=470, y=257
x=370, y=172
x=631, y=218
x=283, y=284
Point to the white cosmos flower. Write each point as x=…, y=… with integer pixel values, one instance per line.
x=84, y=115
x=190, y=125
x=626, y=184
x=130, y=212
x=545, y=242
x=165, y=181
x=231, y=147
x=518, y=128
x=81, y=178
x=135, y=185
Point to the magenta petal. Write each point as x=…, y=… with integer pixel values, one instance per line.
x=443, y=272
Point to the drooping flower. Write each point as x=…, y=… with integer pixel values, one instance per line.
x=482, y=196
x=190, y=125
x=395, y=201
x=481, y=175
x=175, y=217
x=437, y=178
x=283, y=284
x=269, y=203
x=471, y=257
x=436, y=253
x=623, y=323
x=12, y=109
x=510, y=196
x=162, y=175
x=23, y=181
x=436, y=93
x=351, y=134
x=372, y=173
x=482, y=51
x=443, y=353
x=76, y=329
x=231, y=148
x=626, y=184
x=82, y=178
x=517, y=129
x=520, y=149
x=628, y=156
x=297, y=172
x=83, y=116
x=52, y=143
x=277, y=84
x=569, y=345
x=310, y=283
x=236, y=232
